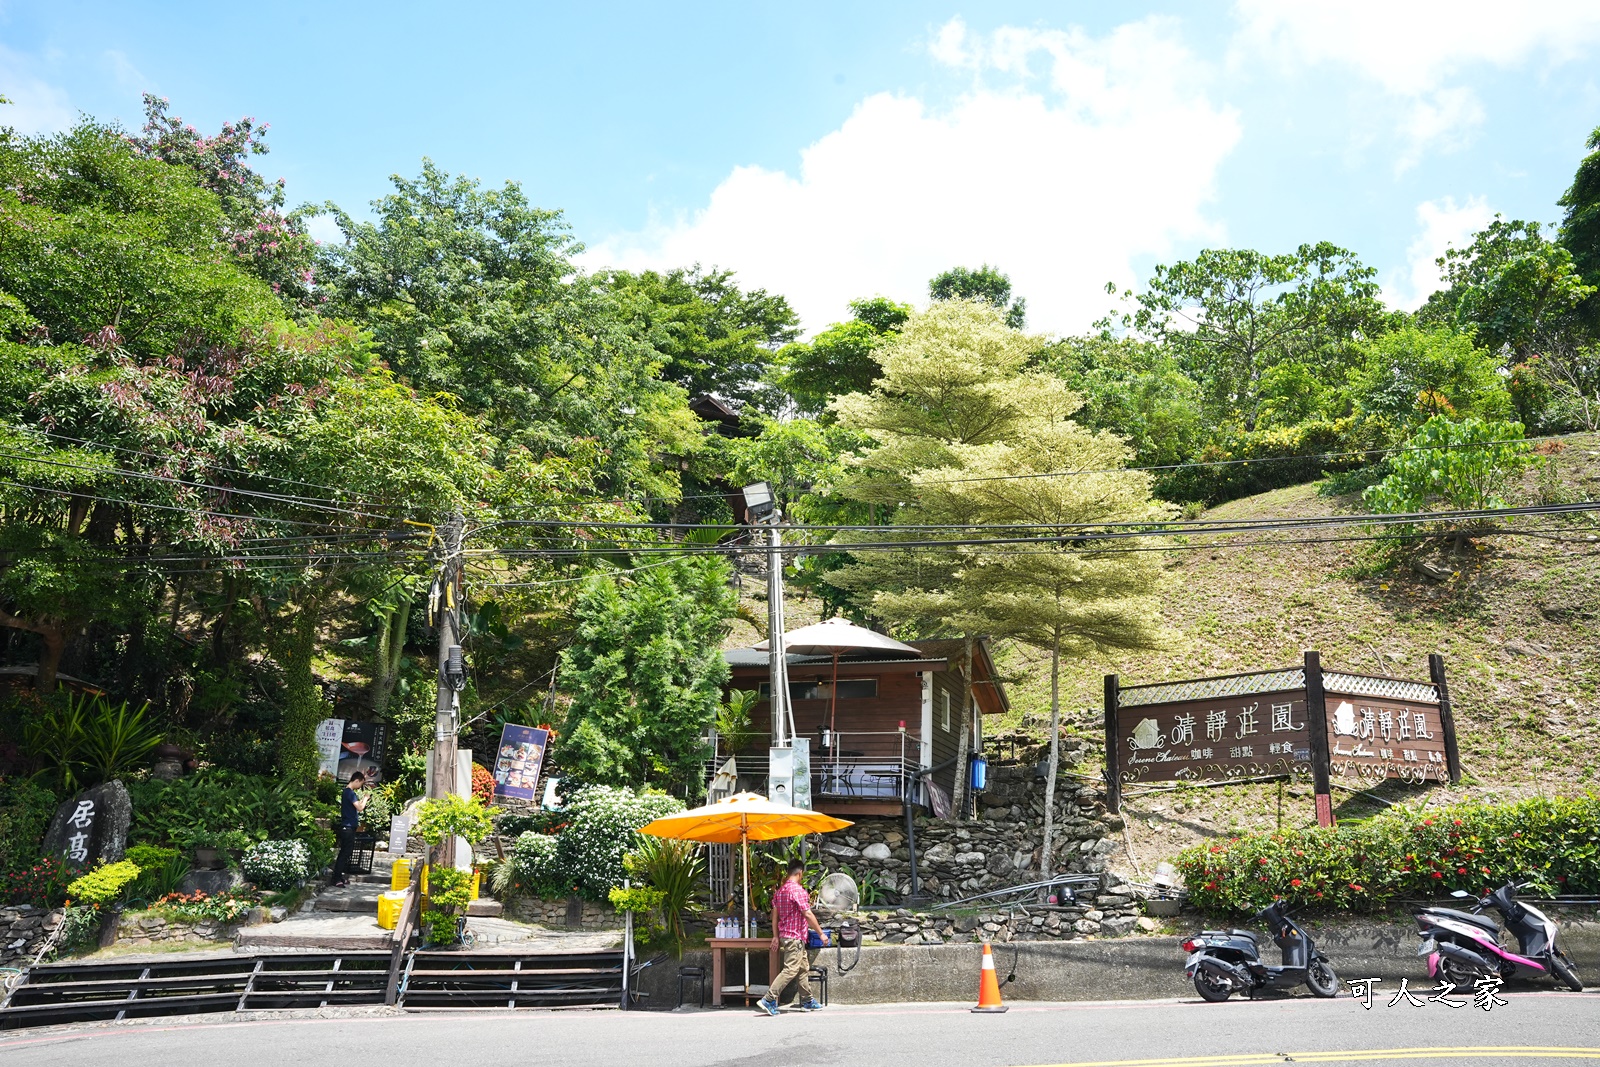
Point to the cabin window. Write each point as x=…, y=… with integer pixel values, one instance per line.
x=944, y=711
x=849, y=689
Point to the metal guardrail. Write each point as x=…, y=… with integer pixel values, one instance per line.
x=860, y=765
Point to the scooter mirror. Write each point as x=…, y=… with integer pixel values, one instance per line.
x=1459, y=893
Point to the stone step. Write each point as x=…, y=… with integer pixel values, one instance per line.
x=485, y=908
x=355, y=897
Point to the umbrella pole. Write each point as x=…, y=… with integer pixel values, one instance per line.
x=744, y=841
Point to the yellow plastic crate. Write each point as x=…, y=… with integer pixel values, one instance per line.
x=389, y=905
x=400, y=876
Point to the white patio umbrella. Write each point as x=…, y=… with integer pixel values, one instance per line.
x=834, y=637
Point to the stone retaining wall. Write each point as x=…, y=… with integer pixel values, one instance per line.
x=1113, y=912
x=152, y=927
x=564, y=914
x=23, y=929
x=1000, y=847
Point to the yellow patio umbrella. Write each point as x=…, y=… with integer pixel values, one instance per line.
x=743, y=817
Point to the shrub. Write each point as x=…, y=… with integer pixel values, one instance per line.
x=215, y=907
x=1403, y=854
x=84, y=740
x=449, y=890
x=453, y=816
x=482, y=784
x=675, y=869
x=534, y=866
x=507, y=824
x=25, y=810
x=602, y=825
x=44, y=885
x=213, y=802
x=105, y=884
x=161, y=871
x=277, y=865
x=378, y=810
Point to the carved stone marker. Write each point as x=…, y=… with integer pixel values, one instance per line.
x=92, y=827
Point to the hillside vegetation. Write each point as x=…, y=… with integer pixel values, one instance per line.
x=1517, y=620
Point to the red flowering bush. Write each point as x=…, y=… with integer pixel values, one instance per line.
x=44, y=885
x=483, y=784
x=1367, y=865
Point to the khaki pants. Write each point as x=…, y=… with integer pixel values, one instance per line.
x=796, y=968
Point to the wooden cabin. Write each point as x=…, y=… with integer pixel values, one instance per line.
x=896, y=715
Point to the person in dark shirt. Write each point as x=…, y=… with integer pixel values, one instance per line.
x=351, y=803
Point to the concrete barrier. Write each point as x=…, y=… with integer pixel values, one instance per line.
x=1128, y=968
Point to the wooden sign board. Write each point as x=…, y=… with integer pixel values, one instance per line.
x=1397, y=735
x=1299, y=720
x=1249, y=736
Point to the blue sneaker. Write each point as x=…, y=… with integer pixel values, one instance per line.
x=768, y=1005
x=811, y=1005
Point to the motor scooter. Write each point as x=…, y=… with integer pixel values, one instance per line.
x=1223, y=962
x=1463, y=946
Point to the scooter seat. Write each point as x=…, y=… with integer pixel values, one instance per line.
x=1483, y=922
x=1242, y=933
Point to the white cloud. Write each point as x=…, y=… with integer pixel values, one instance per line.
x=1444, y=224
x=1061, y=178
x=36, y=105
x=1415, y=49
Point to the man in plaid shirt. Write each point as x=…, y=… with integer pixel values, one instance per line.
x=791, y=915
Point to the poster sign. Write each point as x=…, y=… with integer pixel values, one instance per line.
x=802, y=772
x=361, y=747
x=330, y=733
x=520, y=758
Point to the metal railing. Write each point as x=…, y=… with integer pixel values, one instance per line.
x=859, y=765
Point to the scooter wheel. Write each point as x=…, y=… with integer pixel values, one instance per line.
x=1210, y=987
x=1563, y=969
x=1321, y=980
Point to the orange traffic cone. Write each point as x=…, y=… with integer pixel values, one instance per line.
x=988, y=985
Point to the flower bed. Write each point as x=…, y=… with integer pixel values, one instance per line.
x=1403, y=854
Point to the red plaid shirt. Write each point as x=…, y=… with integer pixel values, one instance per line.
x=792, y=902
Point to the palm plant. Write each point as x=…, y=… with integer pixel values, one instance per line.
x=677, y=869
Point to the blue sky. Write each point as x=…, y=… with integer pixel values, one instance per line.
x=829, y=151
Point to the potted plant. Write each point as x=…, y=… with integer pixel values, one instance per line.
x=215, y=849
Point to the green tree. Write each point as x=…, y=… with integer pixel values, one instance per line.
x=1414, y=373
x=716, y=339
x=472, y=292
x=1511, y=285
x=1580, y=225
x=645, y=673
x=839, y=359
x=986, y=284
x=1135, y=389
x=967, y=433
x=1229, y=316
x=1464, y=466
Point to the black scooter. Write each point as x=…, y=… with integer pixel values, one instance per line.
x=1224, y=962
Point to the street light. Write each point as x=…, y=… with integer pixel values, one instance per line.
x=758, y=503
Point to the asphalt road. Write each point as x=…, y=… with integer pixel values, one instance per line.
x=1534, y=1026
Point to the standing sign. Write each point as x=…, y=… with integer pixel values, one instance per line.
x=1265, y=724
x=362, y=745
x=520, y=759
x=330, y=735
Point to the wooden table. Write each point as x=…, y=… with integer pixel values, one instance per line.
x=721, y=946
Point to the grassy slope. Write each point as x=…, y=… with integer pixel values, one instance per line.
x=1519, y=625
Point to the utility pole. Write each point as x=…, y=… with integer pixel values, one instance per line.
x=777, y=652
x=452, y=675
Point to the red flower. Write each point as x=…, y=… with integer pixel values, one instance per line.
x=1294, y=881
x=1457, y=822
x=1436, y=874
x=1461, y=870
x=1358, y=888
x=1262, y=861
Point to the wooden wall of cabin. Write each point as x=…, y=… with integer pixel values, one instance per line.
x=899, y=700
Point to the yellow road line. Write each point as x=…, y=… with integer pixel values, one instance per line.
x=1260, y=1059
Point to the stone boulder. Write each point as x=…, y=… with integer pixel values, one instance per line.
x=92, y=827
